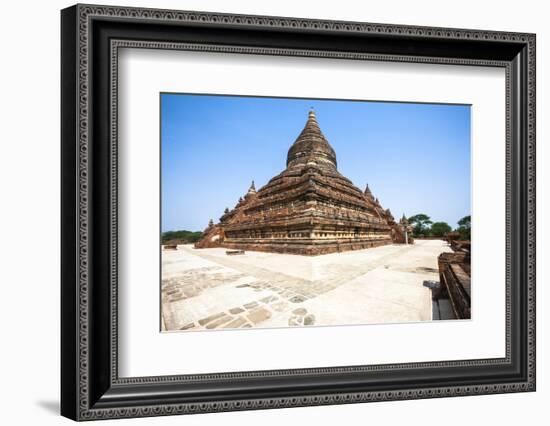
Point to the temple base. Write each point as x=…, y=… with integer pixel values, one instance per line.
x=306, y=247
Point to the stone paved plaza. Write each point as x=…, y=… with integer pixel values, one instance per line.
x=205, y=289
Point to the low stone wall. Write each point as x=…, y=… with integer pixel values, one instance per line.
x=461, y=245
x=454, y=275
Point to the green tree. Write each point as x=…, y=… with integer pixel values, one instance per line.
x=421, y=224
x=465, y=228
x=439, y=229
x=182, y=236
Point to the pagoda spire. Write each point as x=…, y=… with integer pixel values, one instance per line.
x=252, y=189
x=368, y=192
x=311, y=146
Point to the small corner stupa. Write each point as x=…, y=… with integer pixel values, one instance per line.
x=308, y=209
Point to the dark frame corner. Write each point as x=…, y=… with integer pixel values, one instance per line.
x=90, y=386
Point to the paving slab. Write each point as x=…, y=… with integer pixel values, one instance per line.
x=377, y=285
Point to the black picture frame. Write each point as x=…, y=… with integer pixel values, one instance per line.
x=90, y=386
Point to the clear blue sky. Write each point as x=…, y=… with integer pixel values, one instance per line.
x=415, y=157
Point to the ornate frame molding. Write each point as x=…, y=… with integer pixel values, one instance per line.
x=90, y=402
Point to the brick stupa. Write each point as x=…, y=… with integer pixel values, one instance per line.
x=308, y=209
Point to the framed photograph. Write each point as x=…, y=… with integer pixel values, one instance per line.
x=263, y=212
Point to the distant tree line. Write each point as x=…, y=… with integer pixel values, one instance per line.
x=423, y=226
x=181, y=237
x=465, y=228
